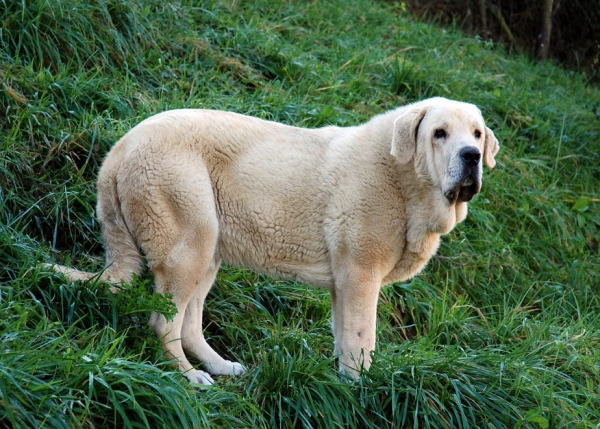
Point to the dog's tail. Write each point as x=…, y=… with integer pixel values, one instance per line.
x=123, y=256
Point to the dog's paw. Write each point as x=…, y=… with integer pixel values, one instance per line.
x=237, y=368
x=199, y=378
x=226, y=368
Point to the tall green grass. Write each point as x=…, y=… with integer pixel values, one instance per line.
x=500, y=330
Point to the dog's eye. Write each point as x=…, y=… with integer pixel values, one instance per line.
x=439, y=134
x=477, y=134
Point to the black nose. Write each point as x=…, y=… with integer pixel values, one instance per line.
x=470, y=155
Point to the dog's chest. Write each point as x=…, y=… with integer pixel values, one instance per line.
x=425, y=224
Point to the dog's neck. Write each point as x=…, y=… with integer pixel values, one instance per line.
x=426, y=220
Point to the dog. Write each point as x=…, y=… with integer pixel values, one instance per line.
x=347, y=209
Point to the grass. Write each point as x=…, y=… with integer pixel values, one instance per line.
x=502, y=329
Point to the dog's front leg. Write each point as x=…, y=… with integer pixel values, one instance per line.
x=354, y=312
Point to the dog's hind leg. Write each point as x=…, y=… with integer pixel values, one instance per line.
x=178, y=228
x=193, y=339
x=181, y=275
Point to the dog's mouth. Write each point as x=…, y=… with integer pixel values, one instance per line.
x=466, y=189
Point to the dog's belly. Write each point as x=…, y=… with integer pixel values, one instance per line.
x=274, y=251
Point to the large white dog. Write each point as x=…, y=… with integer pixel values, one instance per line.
x=347, y=209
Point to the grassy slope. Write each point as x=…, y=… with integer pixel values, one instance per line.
x=502, y=329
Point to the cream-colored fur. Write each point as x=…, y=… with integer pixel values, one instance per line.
x=347, y=209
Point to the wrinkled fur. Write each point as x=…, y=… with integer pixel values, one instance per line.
x=347, y=209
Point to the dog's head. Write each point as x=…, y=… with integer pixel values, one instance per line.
x=447, y=141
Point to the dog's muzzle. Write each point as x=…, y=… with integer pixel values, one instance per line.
x=470, y=181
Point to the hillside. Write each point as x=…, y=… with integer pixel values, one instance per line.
x=502, y=329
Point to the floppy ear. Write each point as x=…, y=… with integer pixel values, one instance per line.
x=404, y=140
x=491, y=148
